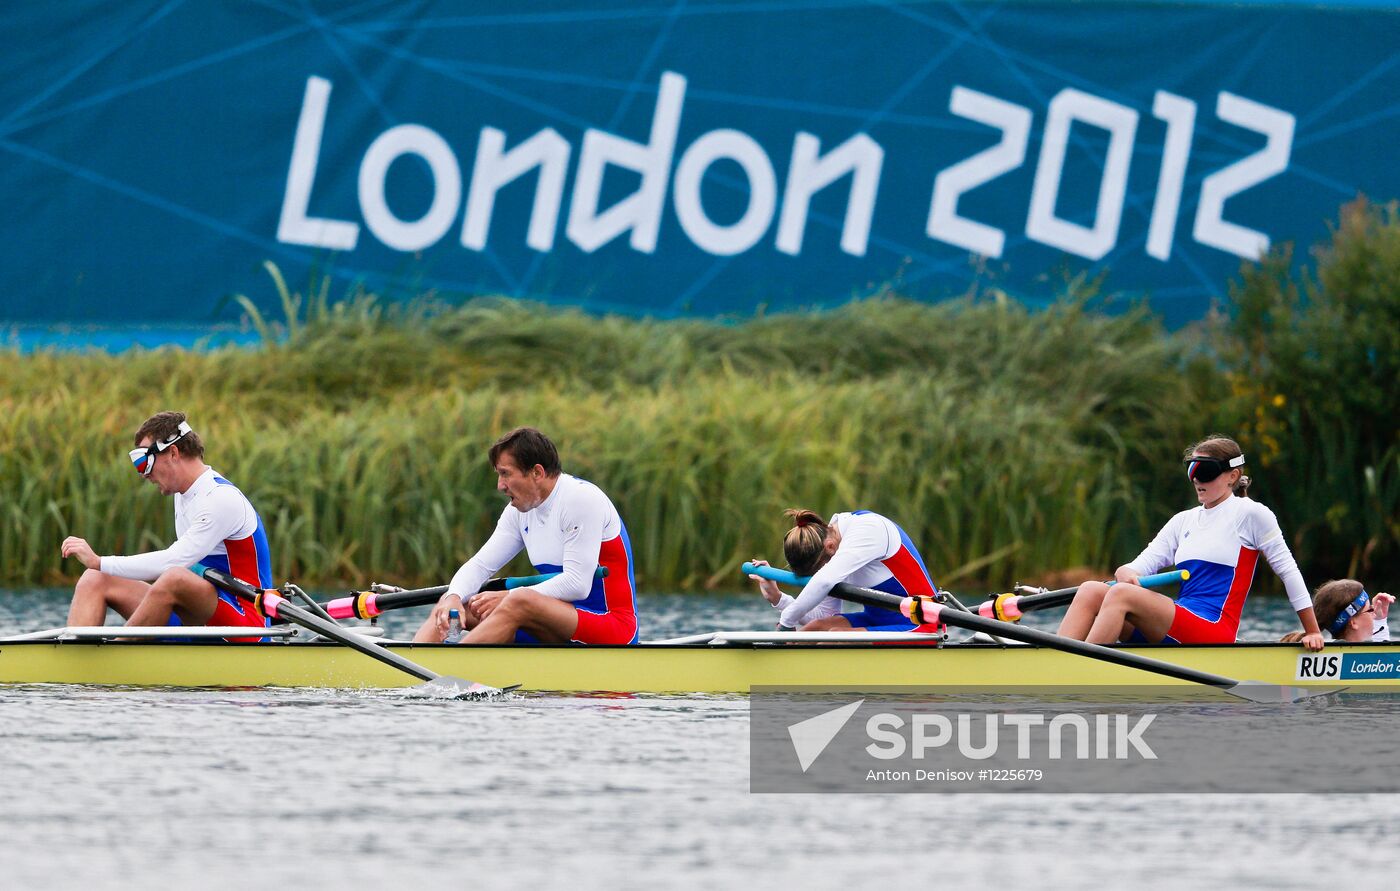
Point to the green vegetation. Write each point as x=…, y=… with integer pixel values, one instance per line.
x=1009, y=443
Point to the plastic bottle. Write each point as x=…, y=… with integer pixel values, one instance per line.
x=454, y=627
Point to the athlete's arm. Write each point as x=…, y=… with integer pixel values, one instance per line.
x=582, y=520
x=223, y=515
x=505, y=542
x=865, y=541
x=1261, y=531
x=1159, y=553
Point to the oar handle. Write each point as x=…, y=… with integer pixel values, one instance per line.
x=367, y=604
x=275, y=606
x=925, y=610
x=1010, y=607
x=781, y=576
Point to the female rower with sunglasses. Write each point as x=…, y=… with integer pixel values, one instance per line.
x=1220, y=543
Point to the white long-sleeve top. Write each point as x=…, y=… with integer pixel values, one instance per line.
x=208, y=516
x=1220, y=546
x=872, y=551
x=566, y=531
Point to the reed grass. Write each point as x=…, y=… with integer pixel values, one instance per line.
x=1009, y=443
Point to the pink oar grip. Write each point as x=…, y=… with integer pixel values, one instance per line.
x=1010, y=608
x=270, y=603
x=906, y=605
x=341, y=608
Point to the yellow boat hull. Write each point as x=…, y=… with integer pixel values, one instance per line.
x=672, y=669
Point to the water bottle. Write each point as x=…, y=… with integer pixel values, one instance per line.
x=454, y=627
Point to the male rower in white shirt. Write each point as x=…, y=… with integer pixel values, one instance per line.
x=567, y=526
x=215, y=525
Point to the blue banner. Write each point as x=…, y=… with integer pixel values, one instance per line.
x=680, y=158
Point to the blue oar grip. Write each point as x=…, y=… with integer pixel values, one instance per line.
x=781, y=576
x=1162, y=579
x=527, y=581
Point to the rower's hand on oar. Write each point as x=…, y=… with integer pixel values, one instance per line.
x=80, y=550
x=485, y=603
x=1126, y=575
x=767, y=587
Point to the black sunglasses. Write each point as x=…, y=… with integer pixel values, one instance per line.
x=1203, y=469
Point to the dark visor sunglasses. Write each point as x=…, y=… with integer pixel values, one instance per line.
x=1203, y=470
x=144, y=459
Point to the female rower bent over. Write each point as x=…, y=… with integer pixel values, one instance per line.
x=1219, y=542
x=862, y=548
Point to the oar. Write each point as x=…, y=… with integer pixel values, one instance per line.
x=924, y=610
x=275, y=606
x=1010, y=607
x=368, y=604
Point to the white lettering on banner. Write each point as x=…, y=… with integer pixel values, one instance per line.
x=392, y=144
x=640, y=213
x=1092, y=242
x=546, y=150
x=295, y=227
x=725, y=241
x=1014, y=122
x=809, y=174
x=1180, y=115
x=1220, y=186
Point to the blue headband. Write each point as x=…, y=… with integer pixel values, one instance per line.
x=1352, y=609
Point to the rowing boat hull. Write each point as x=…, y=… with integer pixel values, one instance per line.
x=669, y=669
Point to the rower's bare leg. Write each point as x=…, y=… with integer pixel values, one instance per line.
x=96, y=591
x=524, y=609
x=179, y=591
x=1147, y=611
x=1079, y=618
x=830, y=623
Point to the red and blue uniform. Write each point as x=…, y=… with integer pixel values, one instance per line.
x=1221, y=547
x=217, y=526
x=874, y=553
x=572, y=532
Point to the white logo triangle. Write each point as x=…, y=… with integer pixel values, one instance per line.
x=811, y=737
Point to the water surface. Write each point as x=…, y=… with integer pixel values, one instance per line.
x=328, y=789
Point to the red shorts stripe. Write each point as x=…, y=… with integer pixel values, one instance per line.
x=226, y=613
x=1189, y=628
x=614, y=627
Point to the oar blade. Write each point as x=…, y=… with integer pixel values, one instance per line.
x=1260, y=691
x=448, y=687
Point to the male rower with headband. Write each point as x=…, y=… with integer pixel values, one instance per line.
x=215, y=525
x=566, y=525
